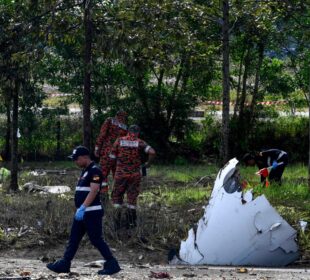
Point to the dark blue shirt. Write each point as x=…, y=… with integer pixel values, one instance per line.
x=268, y=156
x=91, y=174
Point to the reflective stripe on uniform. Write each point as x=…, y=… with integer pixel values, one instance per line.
x=129, y=143
x=83, y=189
x=147, y=148
x=93, y=208
x=269, y=161
x=112, y=156
x=130, y=206
x=281, y=154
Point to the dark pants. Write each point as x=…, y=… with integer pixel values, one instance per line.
x=129, y=183
x=276, y=174
x=92, y=224
x=107, y=164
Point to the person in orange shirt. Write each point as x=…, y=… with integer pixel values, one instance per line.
x=110, y=130
x=127, y=152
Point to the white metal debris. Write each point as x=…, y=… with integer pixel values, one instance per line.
x=56, y=189
x=33, y=187
x=239, y=230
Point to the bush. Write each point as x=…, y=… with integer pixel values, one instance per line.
x=201, y=139
x=287, y=133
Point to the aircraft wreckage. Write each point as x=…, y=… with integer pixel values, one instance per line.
x=237, y=229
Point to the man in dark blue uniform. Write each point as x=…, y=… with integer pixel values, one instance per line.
x=88, y=216
x=276, y=159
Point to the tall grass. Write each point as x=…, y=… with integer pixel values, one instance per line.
x=183, y=173
x=175, y=197
x=170, y=203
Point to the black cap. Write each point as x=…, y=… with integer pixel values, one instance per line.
x=248, y=156
x=79, y=151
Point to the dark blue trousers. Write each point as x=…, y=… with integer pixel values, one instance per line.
x=276, y=174
x=92, y=225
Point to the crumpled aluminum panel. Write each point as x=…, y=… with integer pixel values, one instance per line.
x=239, y=230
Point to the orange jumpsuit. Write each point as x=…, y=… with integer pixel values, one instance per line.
x=111, y=129
x=127, y=153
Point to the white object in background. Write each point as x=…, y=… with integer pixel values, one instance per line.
x=56, y=189
x=238, y=231
x=18, y=133
x=303, y=225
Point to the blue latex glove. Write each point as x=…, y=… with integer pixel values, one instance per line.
x=79, y=214
x=274, y=164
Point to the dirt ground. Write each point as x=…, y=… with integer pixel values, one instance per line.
x=31, y=264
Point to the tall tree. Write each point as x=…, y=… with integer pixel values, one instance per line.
x=165, y=51
x=296, y=27
x=226, y=87
x=253, y=39
x=18, y=53
x=87, y=73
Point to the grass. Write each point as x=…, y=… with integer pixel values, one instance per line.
x=183, y=173
x=175, y=197
x=170, y=203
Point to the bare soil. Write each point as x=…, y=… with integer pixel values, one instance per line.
x=26, y=268
x=136, y=264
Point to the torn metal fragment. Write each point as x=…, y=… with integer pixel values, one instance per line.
x=237, y=229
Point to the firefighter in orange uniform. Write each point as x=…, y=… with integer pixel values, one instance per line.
x=111, y=129
x=126, y=152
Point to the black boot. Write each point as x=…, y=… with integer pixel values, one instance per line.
x=110, y=267
x=131, y=216
x=60, y=266
x=117, y=218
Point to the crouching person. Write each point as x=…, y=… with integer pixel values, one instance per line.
x=88, y=216
x=126, y=152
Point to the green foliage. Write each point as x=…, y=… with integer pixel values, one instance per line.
x=298, y=100
x=276, y=80
x=204, y=138
x=42, y=142
x=179, y=160
x=184, y=173
x=157, y=60
x=283, y=133
x=267, y=112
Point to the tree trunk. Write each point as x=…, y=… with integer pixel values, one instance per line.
x=157, y=109
x=236, y=108
x=309, y=148
x=174, y=92
x=14, y=139
x=87, y=75
x=185, y=76
x=7, y=149
x=244, y=86
x=308, y=101
x=58, y=138
x=225, y=83
x=257, y=79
